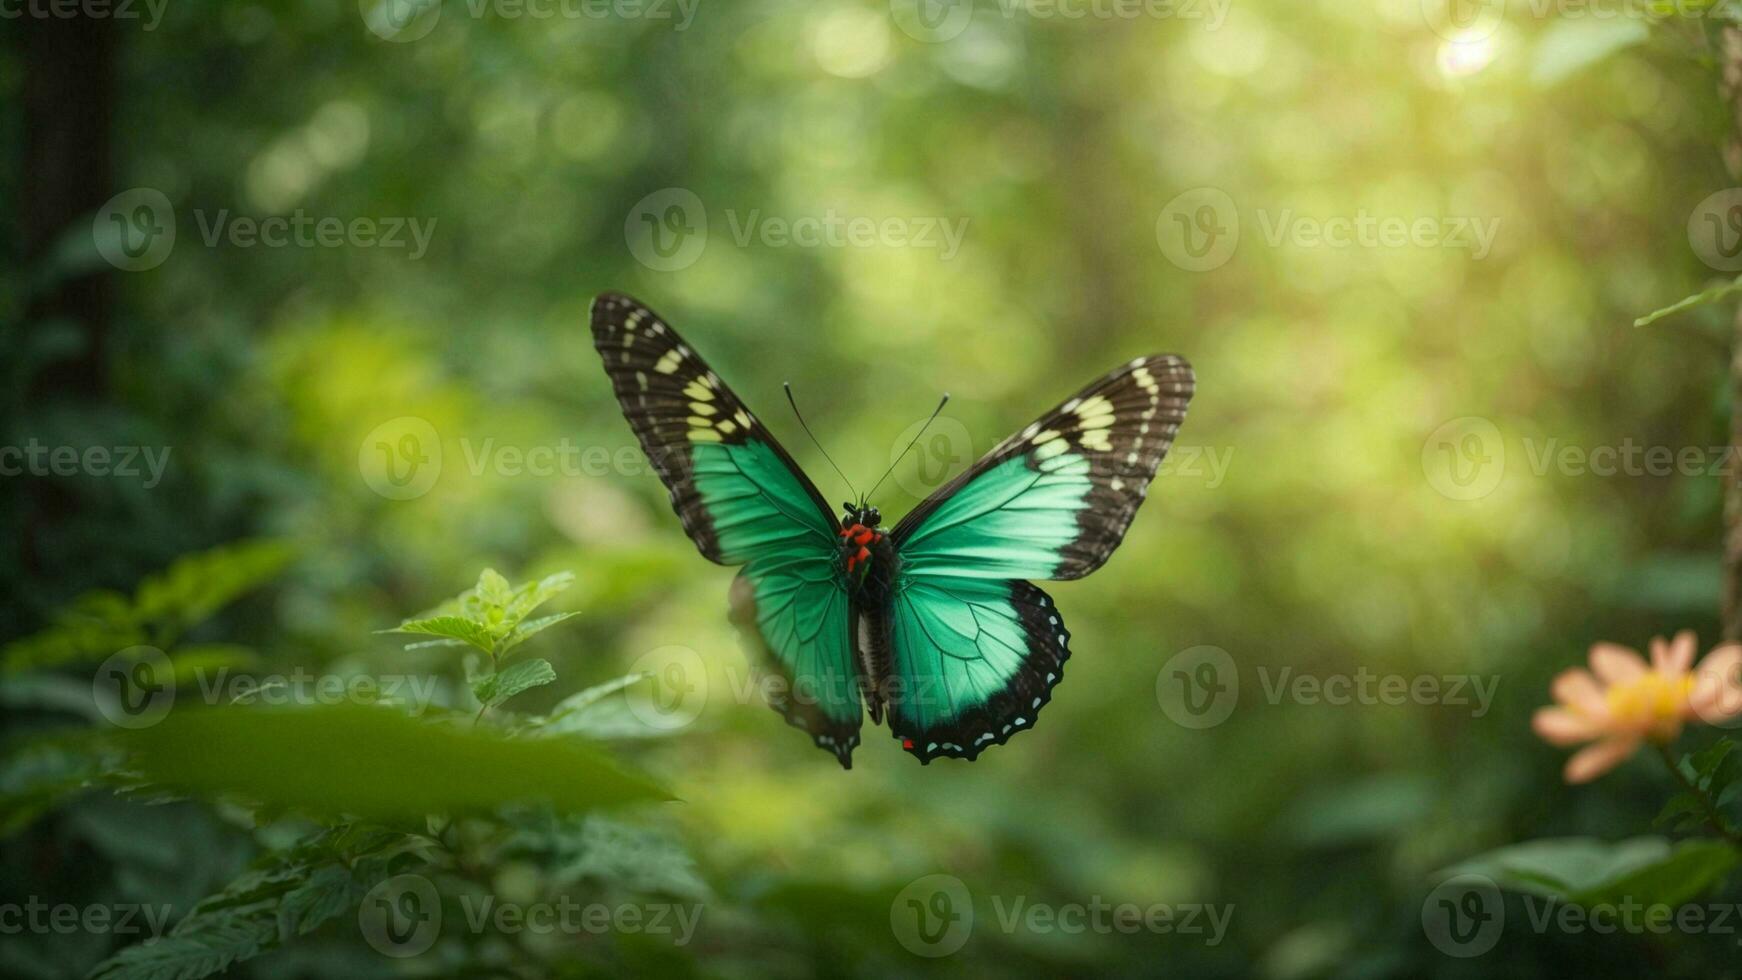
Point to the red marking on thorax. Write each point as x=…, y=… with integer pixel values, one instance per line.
x=862, y=536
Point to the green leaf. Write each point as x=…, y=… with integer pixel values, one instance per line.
x=430, y=644
x=374, y=762
x=211, y=947
x=1569, y=46
x=609, y=719
x=526, y=630
x=1711, y=764
x=493, y=689
x=97, y=624
x=39, y=771
x=328, y=893
x=450, y=627
x=1682, y=812
x=193, y=588
x=493, y=588
x=634, y=858
x=582, y=700
x=534, y=594
x=1691, y=868
x=1712, y=295
x=1587, y=871
x=489, y=615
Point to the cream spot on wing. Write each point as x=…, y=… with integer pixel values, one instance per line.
x=641, y=379
x=1044, y=437
x=1098, y=405
x=668, y=363
x=727, y=427
x=657, y=328
x=703, y=408
x=1097, y=439
x=742, y=418
x=698, y=392
x=1029, y=432
x=1050, y=449
x=704, y=434
x=1071, y=405
x=1117, y=484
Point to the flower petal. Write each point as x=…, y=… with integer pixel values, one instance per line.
x=1717, y=693
x=1558, y=726
x=1595, y=760
x=1616, y=664
x=1673, y=659
x=1577, y=689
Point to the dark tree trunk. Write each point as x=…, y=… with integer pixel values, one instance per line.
x=1730, y=56
x=67, y=115
x=65, y=176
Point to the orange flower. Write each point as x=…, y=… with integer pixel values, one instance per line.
x=1628, y=702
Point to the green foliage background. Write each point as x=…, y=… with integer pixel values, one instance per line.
x=1322, y=371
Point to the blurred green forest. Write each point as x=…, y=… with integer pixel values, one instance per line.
x=1307, y=530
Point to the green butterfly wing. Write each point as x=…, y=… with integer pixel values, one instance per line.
x=743, y=501
x=976, y=658
x=975, y=650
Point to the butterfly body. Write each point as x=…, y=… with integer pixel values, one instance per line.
x=932, y=624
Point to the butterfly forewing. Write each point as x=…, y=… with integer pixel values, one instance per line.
x=1054, y=500
x=743, y=501
x=675, y=404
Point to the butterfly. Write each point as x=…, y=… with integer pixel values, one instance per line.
x=933, y=622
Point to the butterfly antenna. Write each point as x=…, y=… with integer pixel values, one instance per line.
x=807, y=431
x=913, y=442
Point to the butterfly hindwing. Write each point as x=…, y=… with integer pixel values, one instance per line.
x=976, y=658
x=743, y=501
x=1051, y=502
x=798, y=617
